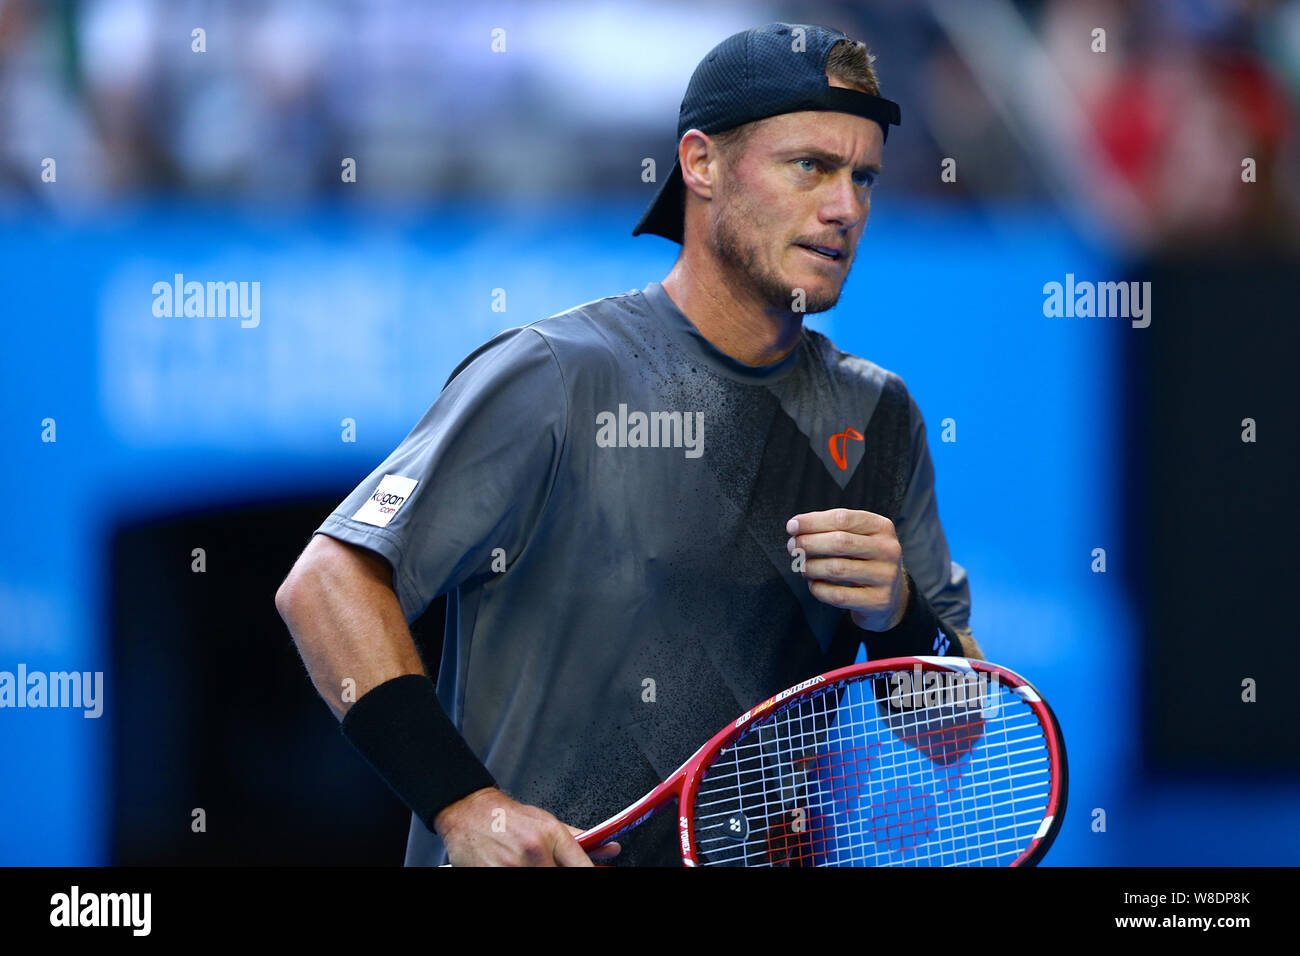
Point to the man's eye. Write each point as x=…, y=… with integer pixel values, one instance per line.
x=811, y=167
x=864, y=180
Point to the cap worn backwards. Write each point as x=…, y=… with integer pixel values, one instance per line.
x=751, y=75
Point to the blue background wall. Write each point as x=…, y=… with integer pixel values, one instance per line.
x=364, y=316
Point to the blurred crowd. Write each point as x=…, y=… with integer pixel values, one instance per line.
x=519, y=99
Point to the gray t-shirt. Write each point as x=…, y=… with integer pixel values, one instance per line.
x=603, y=495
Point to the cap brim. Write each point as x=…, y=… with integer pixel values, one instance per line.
x=666, y=213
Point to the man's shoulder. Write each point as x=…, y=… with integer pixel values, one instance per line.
x=585, y=323
x=596, y=333
x=595, y=328
x=854, y=371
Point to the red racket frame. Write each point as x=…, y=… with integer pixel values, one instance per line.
x=685, y=781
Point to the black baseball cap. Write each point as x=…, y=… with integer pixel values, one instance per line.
x=751, y=75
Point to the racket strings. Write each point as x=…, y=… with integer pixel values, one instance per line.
x=851, y=776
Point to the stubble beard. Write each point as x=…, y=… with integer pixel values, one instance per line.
x=740, y=259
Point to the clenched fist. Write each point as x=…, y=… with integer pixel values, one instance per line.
x=853, y=560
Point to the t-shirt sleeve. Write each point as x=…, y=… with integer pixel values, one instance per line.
x=474, y=475
x=925, y=547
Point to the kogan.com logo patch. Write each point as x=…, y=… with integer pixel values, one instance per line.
x=384, y=502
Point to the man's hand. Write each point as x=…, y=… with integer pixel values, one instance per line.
x=855, y=561
x=487, y=828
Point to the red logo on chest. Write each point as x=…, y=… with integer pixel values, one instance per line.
x=838, y=443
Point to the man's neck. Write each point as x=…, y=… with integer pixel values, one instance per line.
x=733, y=320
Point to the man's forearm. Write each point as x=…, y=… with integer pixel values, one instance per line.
x=348, y=625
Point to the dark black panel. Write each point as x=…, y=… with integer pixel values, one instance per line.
x=1214, y=520
x=215, y=708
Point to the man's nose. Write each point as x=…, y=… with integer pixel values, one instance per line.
x=844, y=204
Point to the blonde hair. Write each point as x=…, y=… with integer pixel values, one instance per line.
x=848, y=61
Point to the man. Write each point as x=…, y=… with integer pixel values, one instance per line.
x=648, y=512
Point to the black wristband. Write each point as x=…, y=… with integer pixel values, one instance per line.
x=403, y=732
x=920, y=633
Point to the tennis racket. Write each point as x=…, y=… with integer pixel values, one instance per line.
x=910, y=761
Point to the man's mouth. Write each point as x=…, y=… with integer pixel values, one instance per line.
x=829, y=253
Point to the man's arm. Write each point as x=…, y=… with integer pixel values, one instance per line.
x=943, y=582
x=341, y=609
x=339, y=604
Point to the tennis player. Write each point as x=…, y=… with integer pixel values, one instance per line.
x=650, y=511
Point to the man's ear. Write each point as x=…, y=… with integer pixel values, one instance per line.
x=699, y=158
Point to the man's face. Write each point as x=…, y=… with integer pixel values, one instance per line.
x=800, y=180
